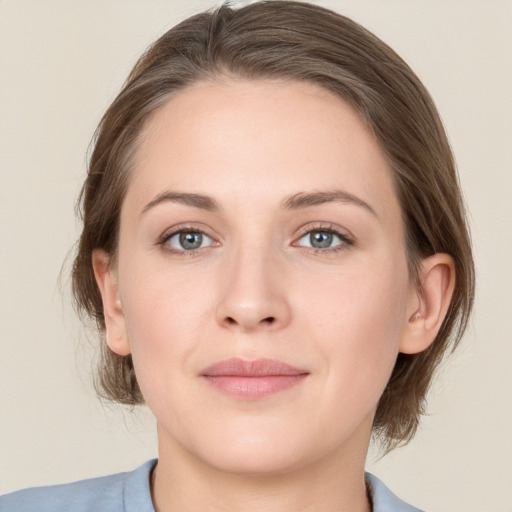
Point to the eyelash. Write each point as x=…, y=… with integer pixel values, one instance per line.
x=164, y=239
x=346, y=241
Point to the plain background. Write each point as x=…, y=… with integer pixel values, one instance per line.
x=62, y=62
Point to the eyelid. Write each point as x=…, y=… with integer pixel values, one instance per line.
x=184, y=228
x=345, y=236
x=347, y=239
x=196, y=227
x=344, y=233
x=205, y=238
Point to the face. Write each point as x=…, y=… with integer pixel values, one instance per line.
x=261, y=283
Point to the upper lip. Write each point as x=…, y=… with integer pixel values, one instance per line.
x=237, y=367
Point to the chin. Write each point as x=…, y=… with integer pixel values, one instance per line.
x=263, y=451
x=256, y=451
x=254, y=461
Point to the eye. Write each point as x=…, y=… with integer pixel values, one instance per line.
x=323, y=239
x=188, y=241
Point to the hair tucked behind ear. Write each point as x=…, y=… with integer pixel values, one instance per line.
x=292, y=41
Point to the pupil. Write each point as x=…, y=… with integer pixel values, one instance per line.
x=191, y=240
x=321, y=239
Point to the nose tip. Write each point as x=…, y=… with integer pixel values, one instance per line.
x=253, y=297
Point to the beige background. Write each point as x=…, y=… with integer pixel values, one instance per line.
x=62, y=62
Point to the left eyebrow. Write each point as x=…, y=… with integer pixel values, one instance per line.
x=306, y=199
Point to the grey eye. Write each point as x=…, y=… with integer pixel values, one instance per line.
x=320, y=240
x=189, y=240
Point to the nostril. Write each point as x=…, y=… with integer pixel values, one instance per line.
x=269, y=320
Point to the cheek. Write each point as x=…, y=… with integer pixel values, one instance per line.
x=163, y=312
x=161, y=321
x=358, y=321
x=169, y=319
x=371, y=298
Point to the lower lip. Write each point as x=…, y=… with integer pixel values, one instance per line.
x=251, y=388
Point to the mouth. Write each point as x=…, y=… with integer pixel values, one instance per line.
x=256, y=379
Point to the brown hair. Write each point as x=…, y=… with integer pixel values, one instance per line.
x=295, y=41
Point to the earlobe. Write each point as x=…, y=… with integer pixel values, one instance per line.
x=429, y=308
x=115, y=327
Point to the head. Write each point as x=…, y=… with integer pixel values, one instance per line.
x=284, y=42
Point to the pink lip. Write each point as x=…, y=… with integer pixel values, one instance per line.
x=252, y=379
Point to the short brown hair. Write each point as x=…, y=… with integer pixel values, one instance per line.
x=292, y=41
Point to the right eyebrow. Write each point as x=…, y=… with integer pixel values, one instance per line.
x=188, y=199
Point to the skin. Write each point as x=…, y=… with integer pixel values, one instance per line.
x=256, y=288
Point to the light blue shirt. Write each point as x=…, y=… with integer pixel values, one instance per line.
x=130, y=492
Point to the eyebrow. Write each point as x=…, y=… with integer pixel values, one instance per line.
x=297, y=201
x=188, y=199
x=305, y=200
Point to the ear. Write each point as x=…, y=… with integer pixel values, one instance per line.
x=429, y=305
x=115, y=327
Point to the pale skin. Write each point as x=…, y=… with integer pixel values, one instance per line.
x=295, y=253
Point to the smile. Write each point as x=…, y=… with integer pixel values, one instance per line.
x=252, y=379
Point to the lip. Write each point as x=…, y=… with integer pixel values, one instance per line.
x=255, y=379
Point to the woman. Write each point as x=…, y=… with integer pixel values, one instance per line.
x=276, y=254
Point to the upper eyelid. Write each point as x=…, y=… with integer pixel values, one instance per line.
x=329, y=227
x=344, y=233
x=184, y=228
x=173, y=235
x=163, y=241
x=344, y=240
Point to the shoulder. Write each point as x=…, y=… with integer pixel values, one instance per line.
x=384, y=500
x=122, y=492
x=103, y=493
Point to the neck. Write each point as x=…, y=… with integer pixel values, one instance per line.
x=332, y=484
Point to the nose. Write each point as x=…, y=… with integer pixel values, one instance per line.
x=253, y=293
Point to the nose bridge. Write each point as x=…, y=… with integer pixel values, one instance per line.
x=253, y=295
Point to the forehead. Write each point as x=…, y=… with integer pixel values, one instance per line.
x=244, y=140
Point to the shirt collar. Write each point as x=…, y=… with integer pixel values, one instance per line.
x=383, y=499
